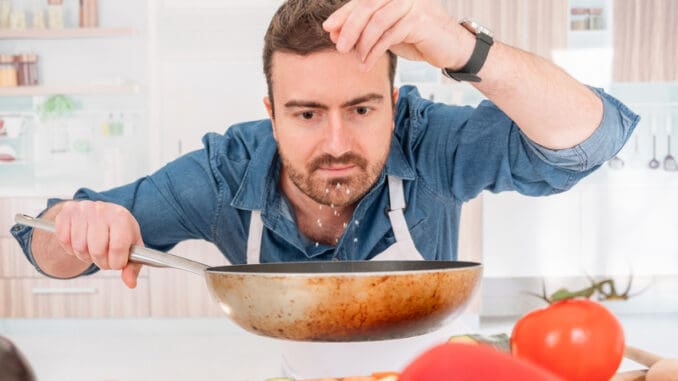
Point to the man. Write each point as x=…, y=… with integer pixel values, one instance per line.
x=347, y=167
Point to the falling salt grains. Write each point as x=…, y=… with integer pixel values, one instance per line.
x=320, y=224
x=355, y=240
x=357, y=222
x=345, y=225
x=332, y=206
x=317, y=244
x=336, y=240
x=321, y=207
x=327, y=190
x=338, y=185
x=348, y=191
x=335, y=213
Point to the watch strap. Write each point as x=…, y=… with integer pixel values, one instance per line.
x=475, y=63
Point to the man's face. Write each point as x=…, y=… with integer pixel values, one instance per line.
x=333, y=123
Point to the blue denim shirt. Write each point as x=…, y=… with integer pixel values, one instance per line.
x=446, y=155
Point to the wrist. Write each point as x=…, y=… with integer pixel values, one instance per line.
x=462, y=49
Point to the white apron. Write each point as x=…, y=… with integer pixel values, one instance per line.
x=306, y=360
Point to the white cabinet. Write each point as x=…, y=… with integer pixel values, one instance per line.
x=207, y=70
x=102, y=72
x=26, y=293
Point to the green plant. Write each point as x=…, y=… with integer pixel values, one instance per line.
x=56, y=106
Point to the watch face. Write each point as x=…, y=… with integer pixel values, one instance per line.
x=476, y=28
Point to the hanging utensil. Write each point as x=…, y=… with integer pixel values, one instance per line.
x=654, y=163
x=670, y=163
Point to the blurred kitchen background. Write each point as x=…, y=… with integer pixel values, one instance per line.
x=99, y=93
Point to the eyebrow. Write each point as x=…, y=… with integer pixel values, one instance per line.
x=372, y=97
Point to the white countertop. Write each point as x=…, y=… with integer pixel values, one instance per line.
x=213, y=349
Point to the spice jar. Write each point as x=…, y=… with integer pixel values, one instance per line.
x=38, y=19
x=579, y=19
x=8, y=74
x=89, y=17
x=5, y=10
x=55, y=14
x=17, y=19
x=27, y=69
x=596, y=19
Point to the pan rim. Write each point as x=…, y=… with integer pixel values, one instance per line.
x=234, y=269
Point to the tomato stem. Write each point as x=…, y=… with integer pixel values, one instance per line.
x=605, y=289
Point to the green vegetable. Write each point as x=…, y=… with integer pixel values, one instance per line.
x=56, y=106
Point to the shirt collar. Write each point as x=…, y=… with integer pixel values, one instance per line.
x=261, y=177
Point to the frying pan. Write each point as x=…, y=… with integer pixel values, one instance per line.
x=328, y=301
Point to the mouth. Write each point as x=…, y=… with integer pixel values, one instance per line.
x=337, y=170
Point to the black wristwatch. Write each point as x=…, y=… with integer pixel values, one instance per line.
x=484, y=41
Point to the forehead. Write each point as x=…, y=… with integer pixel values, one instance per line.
x=326, y=75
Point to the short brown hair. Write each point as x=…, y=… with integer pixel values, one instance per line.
x=13, y=364
x=297, y=28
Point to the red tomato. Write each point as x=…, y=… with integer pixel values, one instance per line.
x=578, y=339
x=469, y=362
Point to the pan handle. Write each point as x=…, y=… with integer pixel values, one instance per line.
x=138, y=254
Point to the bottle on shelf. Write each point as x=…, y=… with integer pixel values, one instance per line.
x=17, y=19
x=27, y=69
x=596, y=19
x=38, y=18
x=8, y=72
x=89, y=15
x=106, y=126
x=55, y=14
x=579, y=19
x=5, y=11
x=116, y=126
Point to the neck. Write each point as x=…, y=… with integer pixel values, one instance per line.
x=321, y=223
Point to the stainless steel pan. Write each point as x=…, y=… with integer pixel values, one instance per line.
x=329, y=301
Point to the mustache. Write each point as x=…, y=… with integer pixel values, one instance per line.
x=327, y=160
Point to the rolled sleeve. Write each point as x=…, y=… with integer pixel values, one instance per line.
x=606, y=141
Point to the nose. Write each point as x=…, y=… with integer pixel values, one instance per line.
x=338, y=139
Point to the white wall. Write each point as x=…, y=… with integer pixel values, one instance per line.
x=206, y=69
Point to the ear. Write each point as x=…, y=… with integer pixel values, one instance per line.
x=269, y=110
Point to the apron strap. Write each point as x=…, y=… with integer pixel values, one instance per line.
x=254, y=239
x=396, y=193
x=396, y=215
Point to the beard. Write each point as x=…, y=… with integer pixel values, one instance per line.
x=334, y=191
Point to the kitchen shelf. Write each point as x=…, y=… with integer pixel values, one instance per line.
x=66, y=33
x=69, y=90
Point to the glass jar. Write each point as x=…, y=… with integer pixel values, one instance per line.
x=27, y=69
x=55, y=14
x=17, y=19
x=89, y=14
x=5, y=10
x=8, y=72
x=38, y=19
x=596, y=19
x=579, y=19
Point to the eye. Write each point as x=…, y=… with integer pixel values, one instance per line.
x=307, y=115
x=362, y=110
